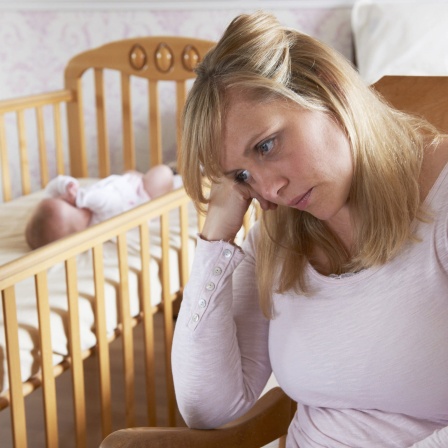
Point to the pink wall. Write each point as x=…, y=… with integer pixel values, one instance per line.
x=35, y=45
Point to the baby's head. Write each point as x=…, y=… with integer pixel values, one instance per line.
x=54, y=218
x=158, y=180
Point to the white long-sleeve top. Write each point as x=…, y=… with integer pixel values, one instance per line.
x=365, y=356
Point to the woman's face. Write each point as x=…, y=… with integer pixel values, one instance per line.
x=288, y=155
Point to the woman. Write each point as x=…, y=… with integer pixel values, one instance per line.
x=341, y=289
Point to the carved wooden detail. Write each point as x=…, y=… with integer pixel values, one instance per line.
x=190, y=58
x=137, y=57
x=164, y=58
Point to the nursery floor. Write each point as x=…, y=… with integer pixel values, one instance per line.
x=34, y=413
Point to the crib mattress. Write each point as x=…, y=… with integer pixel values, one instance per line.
x=13, y=245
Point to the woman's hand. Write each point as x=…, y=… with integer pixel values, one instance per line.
x=228, y=204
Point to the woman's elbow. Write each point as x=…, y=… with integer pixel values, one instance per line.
x=197, y=419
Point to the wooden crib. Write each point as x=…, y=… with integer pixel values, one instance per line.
x=162, y=233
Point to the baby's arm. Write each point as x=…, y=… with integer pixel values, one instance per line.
x=64, y=187
x=71, y=192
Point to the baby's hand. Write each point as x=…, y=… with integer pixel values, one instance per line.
x=70, y=192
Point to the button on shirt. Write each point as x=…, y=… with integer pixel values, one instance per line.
x=214, y=275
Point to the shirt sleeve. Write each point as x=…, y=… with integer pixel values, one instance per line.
x=220, y=350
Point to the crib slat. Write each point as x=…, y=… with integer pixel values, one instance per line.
x=58, y=138
x=24, y=162
x=128, y=132
x=48, y=383
x=103, y=141
x=76, y=132
x=167, y=317
x=75, y=353
x=181, y=94
x=42, y=147
x=148, y=325
x=128, y=349
x=155, y=133
x=101, y=337
x=6, y=178
x=14, y=373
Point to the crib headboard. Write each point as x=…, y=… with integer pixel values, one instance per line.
x=156, y=59
x=130, y=77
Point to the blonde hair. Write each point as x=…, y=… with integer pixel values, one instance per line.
x=268, y=61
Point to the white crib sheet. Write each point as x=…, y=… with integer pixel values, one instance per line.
x=13, y=245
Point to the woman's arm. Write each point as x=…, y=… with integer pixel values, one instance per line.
x=220, y=350
x=438, y=439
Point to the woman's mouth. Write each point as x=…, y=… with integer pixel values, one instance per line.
x=301, y=202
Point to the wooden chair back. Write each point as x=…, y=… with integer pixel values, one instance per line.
x=268, y=420
x=425, y=96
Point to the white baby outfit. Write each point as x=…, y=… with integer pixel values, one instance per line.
x=106, y=198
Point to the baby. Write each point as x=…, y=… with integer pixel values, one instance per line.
x=71, y=208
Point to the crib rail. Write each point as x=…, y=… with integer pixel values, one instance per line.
x=16, y=109
x=37, y=264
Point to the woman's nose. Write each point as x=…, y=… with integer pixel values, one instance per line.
x=271, y=185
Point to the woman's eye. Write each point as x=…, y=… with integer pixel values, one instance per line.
x=242, y=177
x=266, y=146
